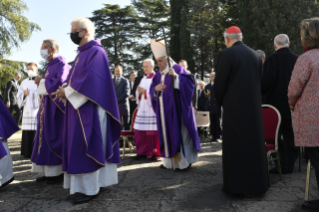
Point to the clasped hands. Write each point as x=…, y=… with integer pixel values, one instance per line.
x=59, y=94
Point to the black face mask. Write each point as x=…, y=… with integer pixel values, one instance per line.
x=75, y=37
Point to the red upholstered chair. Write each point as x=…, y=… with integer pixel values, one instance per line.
x=271, y=121
x=125, y=134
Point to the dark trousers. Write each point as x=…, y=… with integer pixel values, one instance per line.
x=286, y=145
x=313, y=155
x=215, y=129
x=126, y=122
x=17, y=110
x=132, y=109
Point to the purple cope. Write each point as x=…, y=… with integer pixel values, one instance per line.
x=83, y=149
x=8, y=126
x=173, y=115
x=47, y=149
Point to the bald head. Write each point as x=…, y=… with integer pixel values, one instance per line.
x=281, y=41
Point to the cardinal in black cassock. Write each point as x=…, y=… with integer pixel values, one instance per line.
x=237, y=90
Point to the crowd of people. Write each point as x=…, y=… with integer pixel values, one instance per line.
x=71, y=130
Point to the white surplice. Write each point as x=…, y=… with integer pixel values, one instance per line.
x=145, y=118
x=48, y=171
x=6, y=164
x=190, y=150
x=30, y=103
x=90, y=183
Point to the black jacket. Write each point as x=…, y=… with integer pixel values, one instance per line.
x=211, y=104
x=201, y=102
x=11, y=92
x=122, y=90
x=136, y=84
x=277, y=71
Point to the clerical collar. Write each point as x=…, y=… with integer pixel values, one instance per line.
x=165, y=71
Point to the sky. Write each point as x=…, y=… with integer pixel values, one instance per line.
x=54, y=18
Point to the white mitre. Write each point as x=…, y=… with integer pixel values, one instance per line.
x=158, y=49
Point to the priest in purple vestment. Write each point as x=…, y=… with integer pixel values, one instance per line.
x=172, y=103
x=47, y=150
x=8, y=126
x=92, y=121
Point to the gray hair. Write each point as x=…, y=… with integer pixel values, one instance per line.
x=261, y=53
x=281, y=40
x=150, y=61
x=85, y=23
x=53, y=44
x=231, y=36
x=202, y=82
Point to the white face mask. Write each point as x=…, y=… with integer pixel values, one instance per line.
x=44, y=53
x=32, y=73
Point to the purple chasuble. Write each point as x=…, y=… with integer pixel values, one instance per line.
x=83, y=149
x=47, y=149
x=170, y=132
x=7, y=127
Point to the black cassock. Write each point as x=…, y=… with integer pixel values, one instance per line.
x=237, y=89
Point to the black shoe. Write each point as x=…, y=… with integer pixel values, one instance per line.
x=138, y=157
x=183, y=170
x=41, y=179
x=55, y=180
x=311, y=205
x=7, y=183
x=83, y=199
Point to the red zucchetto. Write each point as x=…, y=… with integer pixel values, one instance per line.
x=233, y=29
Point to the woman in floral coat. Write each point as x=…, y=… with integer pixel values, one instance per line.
x=303, y=95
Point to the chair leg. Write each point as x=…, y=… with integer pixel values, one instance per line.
x=130, y=146
x=307, y=181
x=279, y=166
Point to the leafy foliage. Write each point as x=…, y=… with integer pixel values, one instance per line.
x=8, y=68
x=14, y=28
x=152, y=15
x=116, y=27
x=262, y=20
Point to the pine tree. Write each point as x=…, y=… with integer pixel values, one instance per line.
x=261, y=20
x=152, y=15
x=175, y=47
x=116, y=27
x=186, y=50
